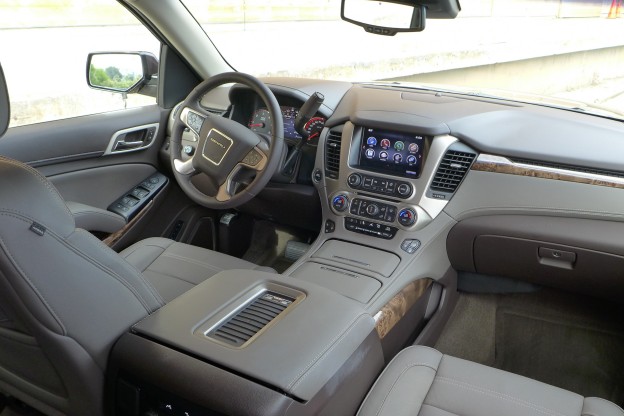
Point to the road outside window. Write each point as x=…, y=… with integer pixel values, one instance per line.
x=44, y=51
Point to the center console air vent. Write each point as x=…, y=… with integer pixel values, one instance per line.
x=249, y=321
x=452, y=170
x=332, y=154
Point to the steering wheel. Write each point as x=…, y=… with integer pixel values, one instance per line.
x=227, y=152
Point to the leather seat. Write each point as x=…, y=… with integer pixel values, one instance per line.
x=65, y=297
x=173, y=268
x=423, y=381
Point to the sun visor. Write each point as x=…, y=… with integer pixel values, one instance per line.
x=5, y=112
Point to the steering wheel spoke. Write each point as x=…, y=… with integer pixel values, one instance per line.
x=184, y=167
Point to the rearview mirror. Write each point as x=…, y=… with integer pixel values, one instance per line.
x=124, y=72
x=384, y=17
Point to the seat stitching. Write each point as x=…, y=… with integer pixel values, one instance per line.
x=174, y=276
x=603, y=400
x=499, y=395
x=324, y=351
x=140, y=276
x=437, y=407
x=59, y=199
x=30, y=283
x=403, y=371
x=142, y=279
x=190, y=260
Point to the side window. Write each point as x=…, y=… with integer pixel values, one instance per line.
x=45, y=44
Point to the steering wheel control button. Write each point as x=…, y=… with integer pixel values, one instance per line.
x=410, y=246
x=330, y=226
x=340, y=203
x=354, y=180
x=252, y=158
x=404, y=189
x=317, y=175
x=371, y=228
x=407, y=217
x=188, y=150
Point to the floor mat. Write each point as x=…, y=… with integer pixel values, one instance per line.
x=571, y=341
x=578, y=356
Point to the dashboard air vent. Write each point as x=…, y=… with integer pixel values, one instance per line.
x=332, y=154
x=250, y=320
x=452, y=170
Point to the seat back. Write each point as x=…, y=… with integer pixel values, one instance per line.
x=65, y=297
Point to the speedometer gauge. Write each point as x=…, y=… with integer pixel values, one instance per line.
x=313, y=127
x=260, y=121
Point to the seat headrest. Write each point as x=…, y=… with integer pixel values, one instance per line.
x=26, y=193
x=5, y=110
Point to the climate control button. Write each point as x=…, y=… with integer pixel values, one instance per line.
x=372, y=209
x=340, y=203
x=407, y=217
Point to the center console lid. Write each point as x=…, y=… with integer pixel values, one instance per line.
x=281, y=332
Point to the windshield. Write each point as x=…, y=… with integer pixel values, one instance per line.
x=570, y=51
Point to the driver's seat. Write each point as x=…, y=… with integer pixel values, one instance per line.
x=65, y=297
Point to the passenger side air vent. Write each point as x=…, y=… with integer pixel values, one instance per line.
x=250, y=320
x=332, y=154
x=452, y=170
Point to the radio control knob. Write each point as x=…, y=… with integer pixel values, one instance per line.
x=354, y=180
x=407, y=217
x=372, y=209
x=340, y=203
x=404, y=189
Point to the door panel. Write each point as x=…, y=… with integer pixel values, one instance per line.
x=75, y=153
x=100, y=186
x=73, y=139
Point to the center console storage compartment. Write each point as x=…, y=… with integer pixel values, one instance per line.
x=247, y=343
x=352, y=285
x=359, y=257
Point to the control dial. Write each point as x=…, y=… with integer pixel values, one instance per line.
x=354, y=180
x=404, y=189
x=372, y=209
x=340, y=203
x=407, y=217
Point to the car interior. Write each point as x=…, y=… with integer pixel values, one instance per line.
x=294, y=246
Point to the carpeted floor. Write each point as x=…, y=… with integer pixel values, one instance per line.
x=570, y=341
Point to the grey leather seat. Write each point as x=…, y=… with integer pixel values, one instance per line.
x=173, y=268
x=65, y=297
x=423, y=381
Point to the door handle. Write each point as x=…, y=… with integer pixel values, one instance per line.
x=132, y=139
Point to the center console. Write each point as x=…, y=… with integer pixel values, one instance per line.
x=248, y=343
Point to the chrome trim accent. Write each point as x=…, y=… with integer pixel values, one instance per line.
x=184, y=168
x=214, y=141
x=110, y=148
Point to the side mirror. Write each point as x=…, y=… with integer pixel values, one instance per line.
x=123, y=72
x=384, y=17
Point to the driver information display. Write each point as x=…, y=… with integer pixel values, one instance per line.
x=392, y=153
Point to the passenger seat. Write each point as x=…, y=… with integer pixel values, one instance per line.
x=422, y=381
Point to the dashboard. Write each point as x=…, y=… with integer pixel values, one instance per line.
x=397, y=168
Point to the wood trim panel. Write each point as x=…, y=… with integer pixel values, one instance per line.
x=399, y=305
x=497, y=164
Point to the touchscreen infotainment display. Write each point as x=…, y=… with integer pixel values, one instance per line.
x=392, y=153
